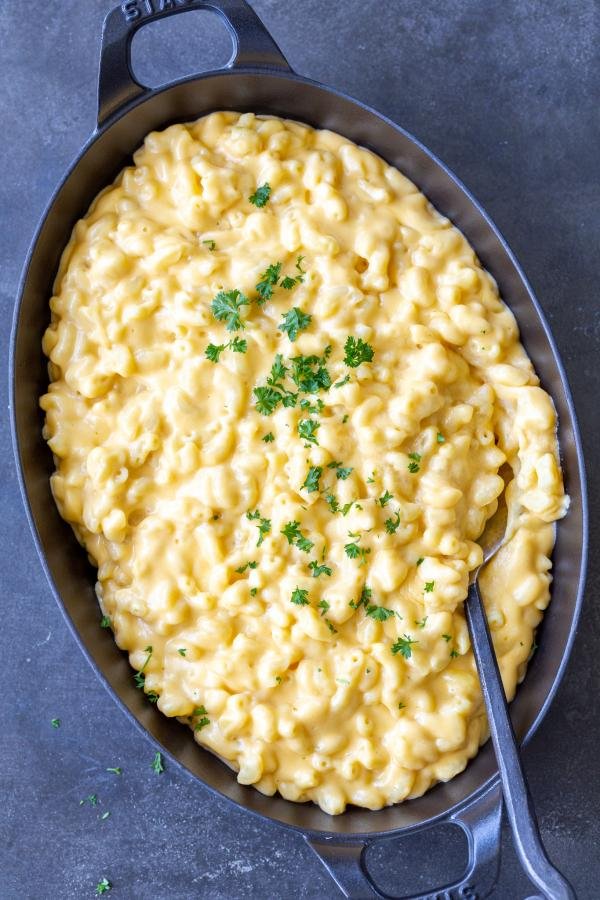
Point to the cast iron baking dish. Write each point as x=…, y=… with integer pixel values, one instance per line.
x=259, y=79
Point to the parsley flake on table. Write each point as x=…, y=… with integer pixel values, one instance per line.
x=379, y=613
x=268, y=280
x=385, y=499
x=261, y=195
x=226, y=308
x=213, y=351
x=115, y=770
x=92, y=799
x=294, y=321
x=295, y=537
x=157, y=764
x=311, y=482
x=392, y=524
x=264, y=525
x=317, y=569
x=103, y=886
x=300, y=597
x=357, y=351
x=55, y=723
x=403, y=646
x=307, y=430
x=268, y=438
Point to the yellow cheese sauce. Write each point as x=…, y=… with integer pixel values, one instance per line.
x=282, y=387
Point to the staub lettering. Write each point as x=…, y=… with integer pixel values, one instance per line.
x=139, y=9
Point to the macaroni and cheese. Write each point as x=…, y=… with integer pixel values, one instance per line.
x=282, y=389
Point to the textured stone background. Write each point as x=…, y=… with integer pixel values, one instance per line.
x=507, y=94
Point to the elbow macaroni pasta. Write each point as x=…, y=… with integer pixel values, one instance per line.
x=363, y=689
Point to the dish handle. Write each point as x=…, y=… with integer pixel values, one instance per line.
x=481, y=822
x=253, y=46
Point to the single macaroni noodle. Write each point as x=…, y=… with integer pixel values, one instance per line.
x=282, y=389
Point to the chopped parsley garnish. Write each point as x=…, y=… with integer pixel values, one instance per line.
x=413, y=467
x=213, y=351
x=447, y=637
x=253, y=592
x=278, y=679
x=157, y=764
x=385, y=499
x=300, y=597
x=323, y=605
x=429, y=587
x=115, y=770
x=210, y=244
x=363, y=600
x=331, y=626
x=440, y=438
x=353, y=551
x=295, y=538
x=311, y=482
x=345, y=419
x=341, y=383
x=341, y=472
x=371, y=480
x=226, y=308
x=317, y=569
x=249, y=565
x=332, y=503
x=103, y=886
x=268, y=438
x=454, y=653
x=269, y=396
x=419, y=561
x=268, y=280
x=105, y=622
x=139, y=677
x=415, y=456
x=309, y=373
x=309, y=407
x=203, y=719
x=404, y=646
x=379, y=613
x=55, y=723
x=307, y=429
x=356, y=352
x=392, y=524
x=182, y=651
x=294, y=321
x=261, y=195
x=421, y=622
x=401, y=705
x=290, y=282
x=264, y=525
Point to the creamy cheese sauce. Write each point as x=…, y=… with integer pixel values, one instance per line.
x=286, y=562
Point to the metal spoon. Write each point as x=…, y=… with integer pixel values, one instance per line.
x=519, y=803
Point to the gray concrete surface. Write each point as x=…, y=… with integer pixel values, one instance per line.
x=507, y=94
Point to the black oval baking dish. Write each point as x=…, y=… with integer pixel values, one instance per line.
x=259, y=79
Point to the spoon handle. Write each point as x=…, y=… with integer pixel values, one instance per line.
x=519, y=803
